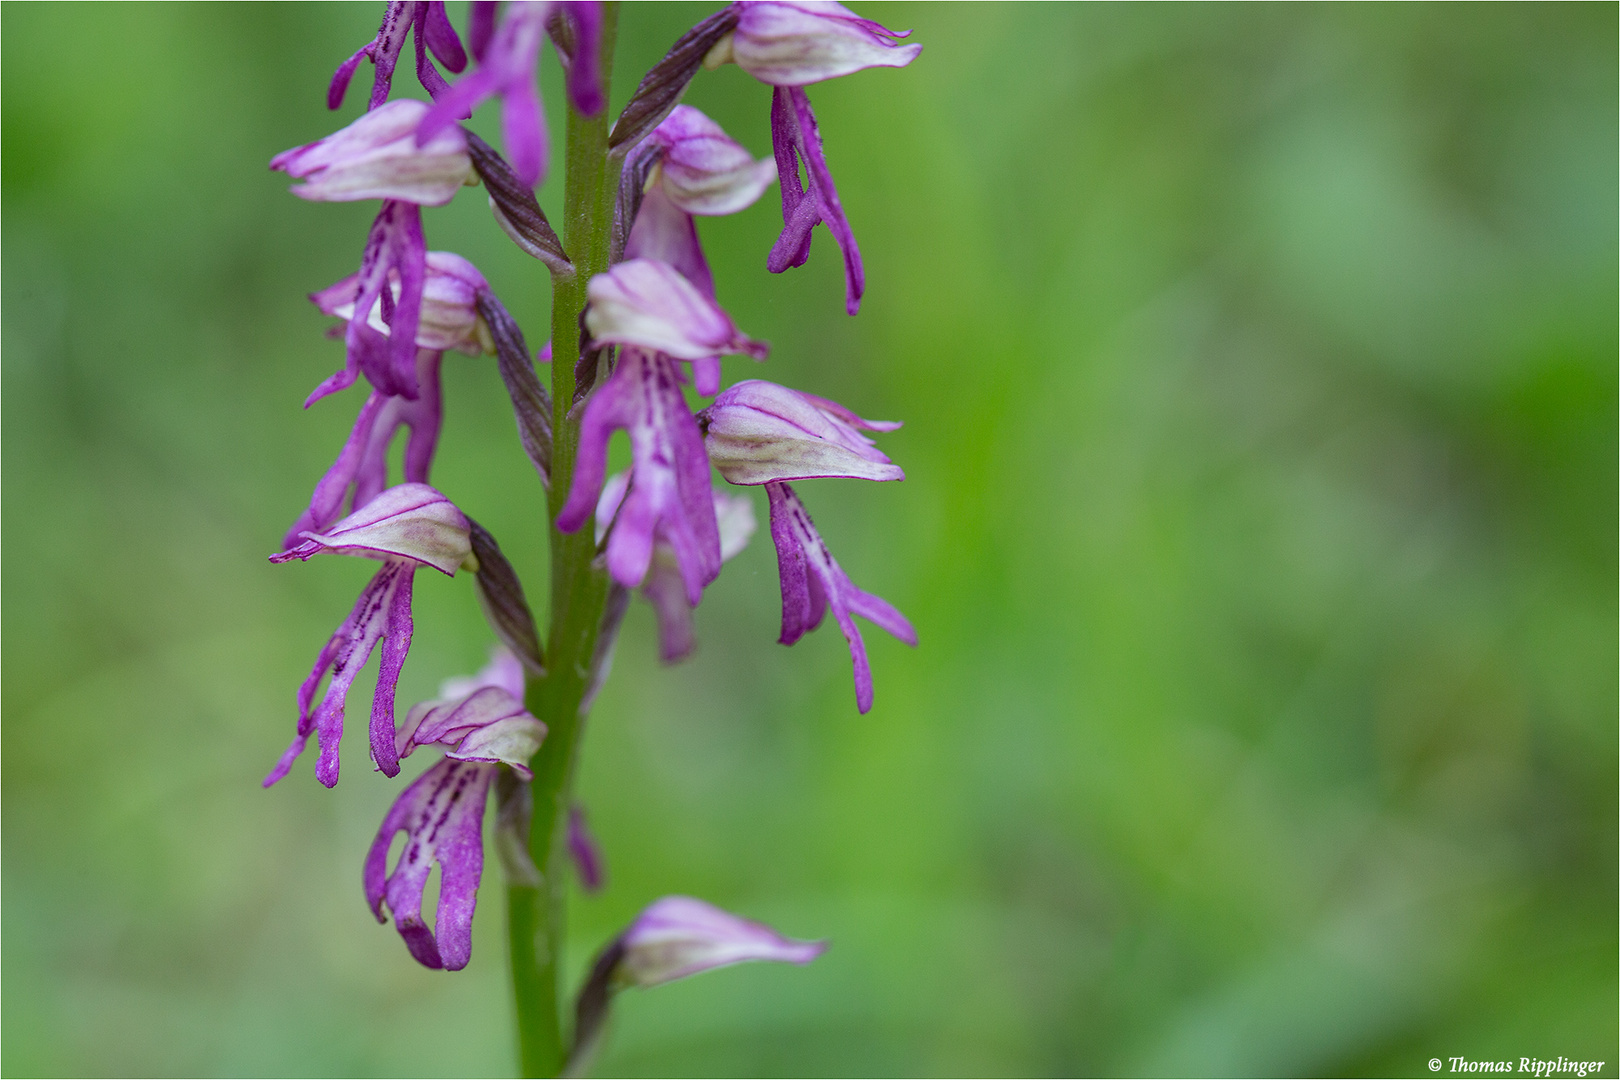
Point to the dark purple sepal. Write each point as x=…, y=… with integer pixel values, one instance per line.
x=531, y=405
x=661, y=88
x=500, y=594
x=442, y=813
x=516, y=210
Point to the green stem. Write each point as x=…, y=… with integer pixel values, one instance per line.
x=536, y=917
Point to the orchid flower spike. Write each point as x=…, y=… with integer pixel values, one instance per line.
x=789, y=45
x=757, y=432
x=507, y=63
x=650, y=305
x=664, y=587
x=379, y=157
x=812, y=581
x=692, y=167
x=482, y=725
x=670, y=493
x=407, y=527
x=433, y=32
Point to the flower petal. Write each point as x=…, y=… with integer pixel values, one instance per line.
x=511, y=741
x=377, y=157
x=647, y=303
x=678, y=936
x=792, y=44
x=669, y=484
x=705, y=171
x=757, y=432
x=410, y=521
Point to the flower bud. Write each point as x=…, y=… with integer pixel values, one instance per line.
x=757, y=432
x=409, y=521
x=376, y=157
x=703, y=170
x=671, y=939
x=795, y=44
x=648, y=303
x=679, y=936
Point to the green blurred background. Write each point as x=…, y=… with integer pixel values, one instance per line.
x=1259, y=372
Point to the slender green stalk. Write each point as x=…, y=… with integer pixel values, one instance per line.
x=536, y=917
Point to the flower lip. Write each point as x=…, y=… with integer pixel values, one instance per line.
x=381, y=615
x=506, y=68
x=805, y=41
x=442, y=813
x=671, y=495
x=376, y=157
x=648, y=303
x=705, y=171
x=408, y=521
x=757, y=432
x=449, y=316
x=663, y=586
x=433, y=30
x=813, y=583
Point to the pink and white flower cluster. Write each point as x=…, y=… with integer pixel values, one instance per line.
x=655, y=331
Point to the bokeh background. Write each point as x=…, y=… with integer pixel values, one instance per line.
x=1259, y=372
